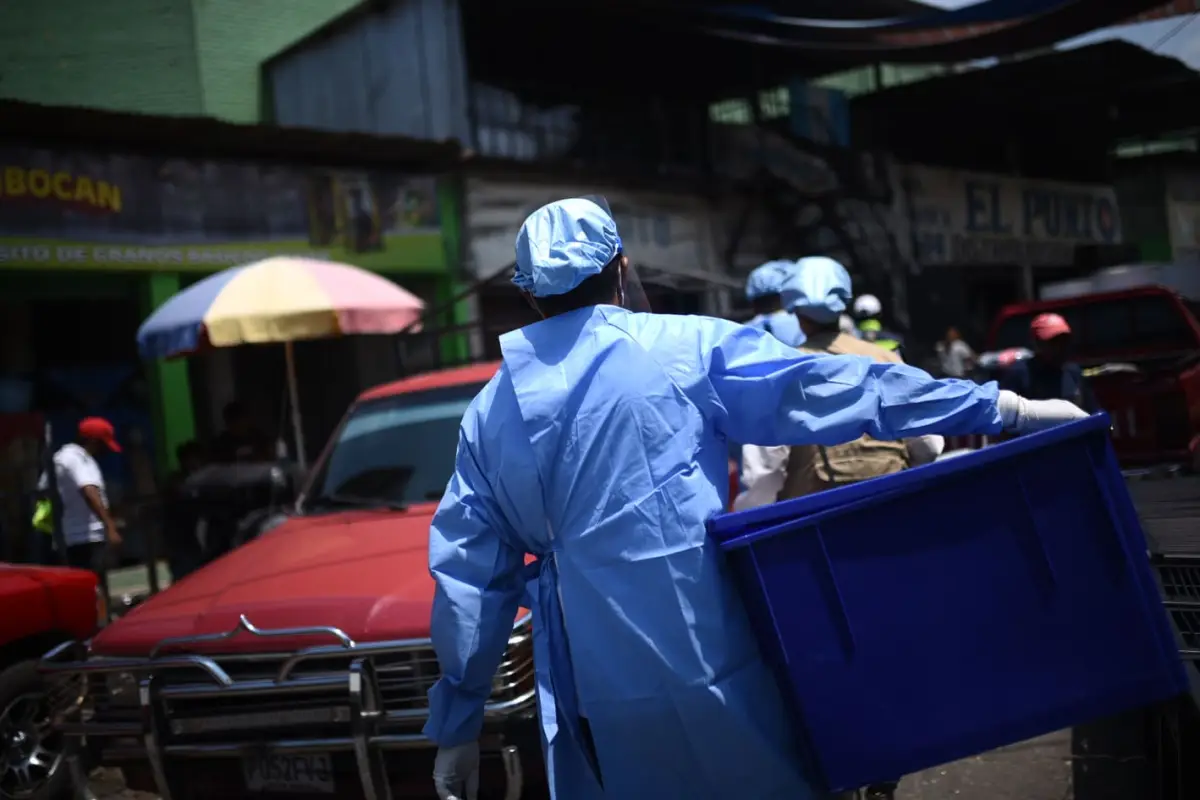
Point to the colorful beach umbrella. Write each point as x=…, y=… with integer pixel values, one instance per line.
x=280, y=299
x=283, y=299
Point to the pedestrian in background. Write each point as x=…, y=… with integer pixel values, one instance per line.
x=868, y=312
x=957, y=358
x=816, y=294
x=1050, y=374
x=762, y=290
x=241, y=440
x=88, y=528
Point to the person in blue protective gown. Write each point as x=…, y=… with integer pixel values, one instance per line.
x=816, y=293
x=763, y=287
x=762, y=290
x=600, y=447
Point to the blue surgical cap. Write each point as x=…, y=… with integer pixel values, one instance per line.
x=562, y=244
x=818, y=288
x=768, y=279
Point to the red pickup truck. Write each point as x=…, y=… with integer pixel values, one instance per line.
x=299, y=663
x=1139, y=343
x=40, y=608
x=1140, y=348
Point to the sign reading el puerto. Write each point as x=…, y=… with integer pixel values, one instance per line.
x=973, y=218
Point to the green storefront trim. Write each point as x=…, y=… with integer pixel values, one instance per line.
x=1155, y=248
x=404, y=252
x=455, y=347
x=170, y=388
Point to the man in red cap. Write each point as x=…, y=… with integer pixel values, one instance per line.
x=1049, y=374
x=88, y=528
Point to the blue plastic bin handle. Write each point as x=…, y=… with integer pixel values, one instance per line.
x=1125, y=557
x=843, y=615
x=769, y=606
x=1039, y=540
x=850, y=642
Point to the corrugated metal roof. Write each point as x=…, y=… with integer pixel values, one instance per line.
x=207, y=137
x=809, y=9
x=1062, y=112
x=1108, y=67
x=974, y=32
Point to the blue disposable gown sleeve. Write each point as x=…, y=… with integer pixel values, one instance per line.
x=769, y=394
x=479, y=583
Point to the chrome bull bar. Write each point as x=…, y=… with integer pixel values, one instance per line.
x=363, y=710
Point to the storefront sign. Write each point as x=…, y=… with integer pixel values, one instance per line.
x=664, y=231
x=973, y=218
x=60, y=187
x=93, y=211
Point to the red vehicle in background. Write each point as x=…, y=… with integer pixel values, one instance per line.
x=1136, y=333
x=40, y=608
x=300, y=662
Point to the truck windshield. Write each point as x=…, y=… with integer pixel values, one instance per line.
x=393, y=451
x=1146, y=323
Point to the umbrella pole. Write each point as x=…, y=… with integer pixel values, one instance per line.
x=294, y=396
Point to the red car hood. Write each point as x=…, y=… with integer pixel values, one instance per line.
x=363, y=572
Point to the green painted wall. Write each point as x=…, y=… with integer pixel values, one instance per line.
x=234, y=38
x=126, y=55
x=1155, y=248
x=181, y=57
x=457, y=347
x=170, y=388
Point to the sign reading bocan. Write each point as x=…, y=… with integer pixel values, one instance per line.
x=77, y=210
x=59, y=186
x=975, y=218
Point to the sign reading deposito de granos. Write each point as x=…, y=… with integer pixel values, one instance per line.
x=109, y=210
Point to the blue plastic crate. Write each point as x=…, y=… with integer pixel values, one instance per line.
x=943, y=611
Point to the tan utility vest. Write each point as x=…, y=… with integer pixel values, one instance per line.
x=814, y=468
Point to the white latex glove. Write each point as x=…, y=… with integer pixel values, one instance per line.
x=924, y=449
x=1022, y=415
x=456, y=772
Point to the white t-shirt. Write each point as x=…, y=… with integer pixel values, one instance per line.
x=954, y=357
x=75, y=468
x=764, y=471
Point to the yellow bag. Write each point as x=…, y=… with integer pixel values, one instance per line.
x=43, y=516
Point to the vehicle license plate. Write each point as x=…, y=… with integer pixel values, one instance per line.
x=289, y=773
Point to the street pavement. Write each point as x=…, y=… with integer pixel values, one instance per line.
x=106, y=784
x=136, y=580
x=1039, y=769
